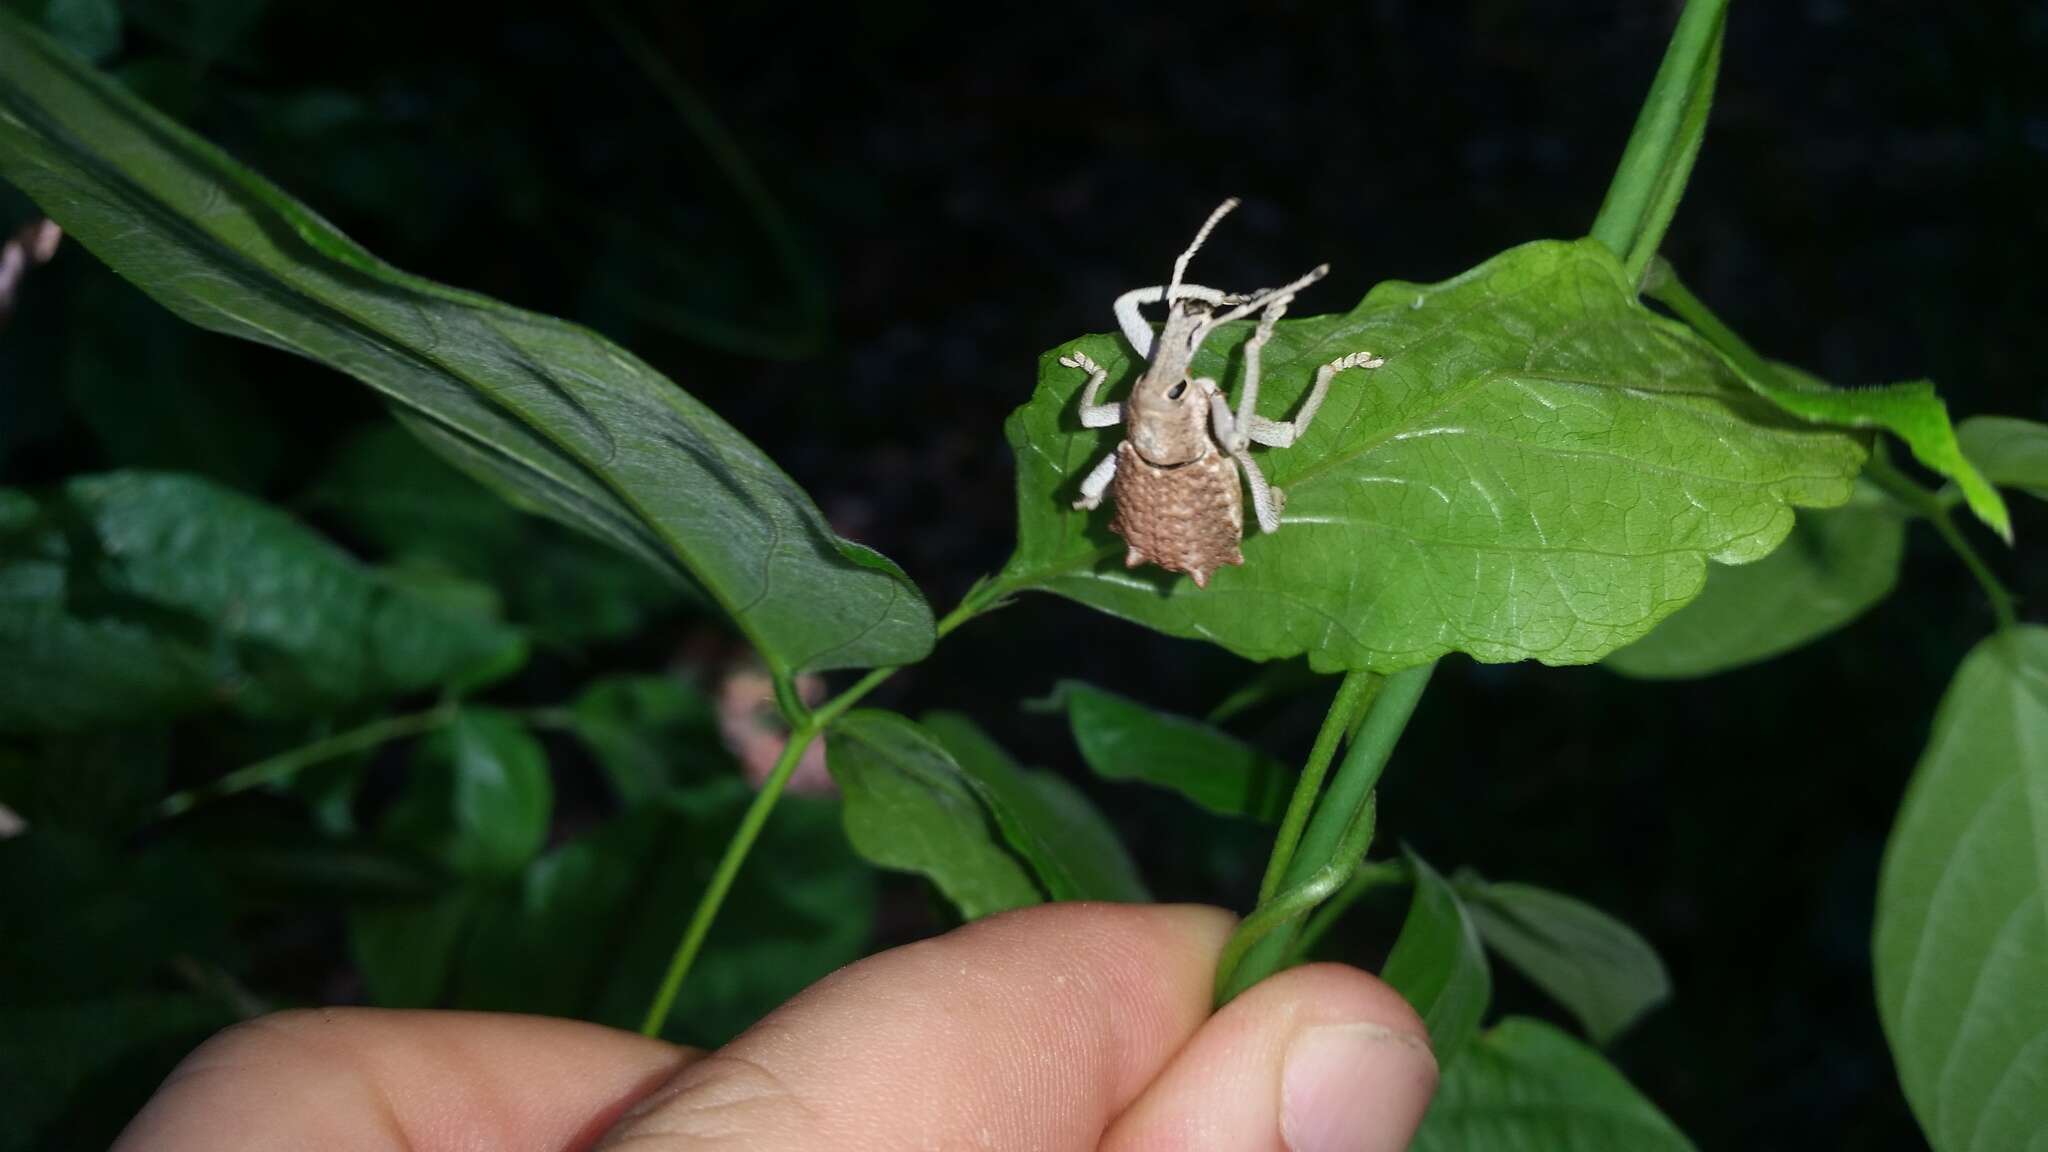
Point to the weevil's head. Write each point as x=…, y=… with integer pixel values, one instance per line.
x=1168, y=412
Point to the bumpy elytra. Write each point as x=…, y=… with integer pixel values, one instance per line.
x=1175, y=476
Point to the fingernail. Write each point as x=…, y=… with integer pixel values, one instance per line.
x=1354, y=1088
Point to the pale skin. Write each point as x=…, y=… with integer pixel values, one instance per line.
x=1162, y=428
x=1064, y=1028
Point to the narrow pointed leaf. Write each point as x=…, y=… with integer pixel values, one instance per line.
x=1069, y=844
x=2011, y=453
x=1524, y=1085
x=1588, y=961
x=909, y=807
x=1961, y=948
x=1542, y=469
x=577, y=425
x=1122, y=739
x=1438, y=965
x=1838, y=564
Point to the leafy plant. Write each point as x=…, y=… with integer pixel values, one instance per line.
x=1547, y=468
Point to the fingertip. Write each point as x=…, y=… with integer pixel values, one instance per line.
x=1315, y=1059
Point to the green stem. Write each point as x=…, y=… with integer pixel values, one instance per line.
x=980, y=598
x=1352, y=693
x=283, y=765
x=1383, y=874
x=1288, y=907
x=1345, y=806
x=1663, y=285
x=743, y=838
x=1931, y=505
x=1658, y=158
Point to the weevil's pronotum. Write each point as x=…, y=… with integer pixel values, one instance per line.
x=1174, y=478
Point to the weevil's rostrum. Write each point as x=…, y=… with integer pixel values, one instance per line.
x=1174, y=479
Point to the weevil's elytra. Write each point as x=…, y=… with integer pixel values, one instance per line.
x=1175, y=477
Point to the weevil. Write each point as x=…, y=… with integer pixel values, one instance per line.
x=1174, y=477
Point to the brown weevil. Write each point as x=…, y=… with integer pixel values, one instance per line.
x=1174, y=478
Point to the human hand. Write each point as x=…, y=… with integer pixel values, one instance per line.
x=1066, y=1026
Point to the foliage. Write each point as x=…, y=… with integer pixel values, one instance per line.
x=418, y=679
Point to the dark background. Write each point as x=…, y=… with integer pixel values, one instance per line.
x=970, y=185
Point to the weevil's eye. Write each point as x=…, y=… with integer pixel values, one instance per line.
x=1174, y=392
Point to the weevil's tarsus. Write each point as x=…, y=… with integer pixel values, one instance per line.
x=1283, y=433
x=1093, y=414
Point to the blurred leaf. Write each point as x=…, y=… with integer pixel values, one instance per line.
x=599, y=439
x=586, y=930
x=1524, y=1085
x=2011, y=453
x=650, y=734
x=478, y=796
x=1593, y=964
x=909, y=807
x=71, y=1075
x=416, y=507
x=130, y=595
x=1837, y=564
x=1438, y=966
x=91, y=28
x=405, y=950
x=81, y=920
x=1962, y=907
x=1124, y=740
x=87, y=937
x=1071, y=847
x=1541, y=470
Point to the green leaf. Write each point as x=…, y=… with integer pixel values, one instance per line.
x=2010, y=452
x=406, y=950
x=478, y=798
x=1542, y=469
x=131, y=595
x=417, y=508
x=1911, y=411
x=1069, y=844
x=1525, y=1085
x=1437, y=964
x=1962, y=907
x=651, y=734
x=1837, y=564
x=578, y=425
x=1588, y=961
x=71, y=1075
x=1122, y=739
x=909, y=807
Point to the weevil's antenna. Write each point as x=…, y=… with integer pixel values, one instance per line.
x=1180, y=266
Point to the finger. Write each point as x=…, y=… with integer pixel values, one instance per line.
x=1027, y=1030
x=1315, y=1059
x=359, y=1078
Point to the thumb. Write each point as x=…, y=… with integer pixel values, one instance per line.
x=1032, y=1029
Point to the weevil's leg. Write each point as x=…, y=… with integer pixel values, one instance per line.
x=1268, y=500
x=1096, y=483
x=1094, y=415
x=1136, y=328
x=1281, y=433
x=1248, y=394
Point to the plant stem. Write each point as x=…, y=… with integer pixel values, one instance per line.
x=1383, y=874
x=1658, y=158
x=284, y=764
x=1344, y=807
x=980, y=598
x=743, y=838
x=1351, y=693
x=1931, y=504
